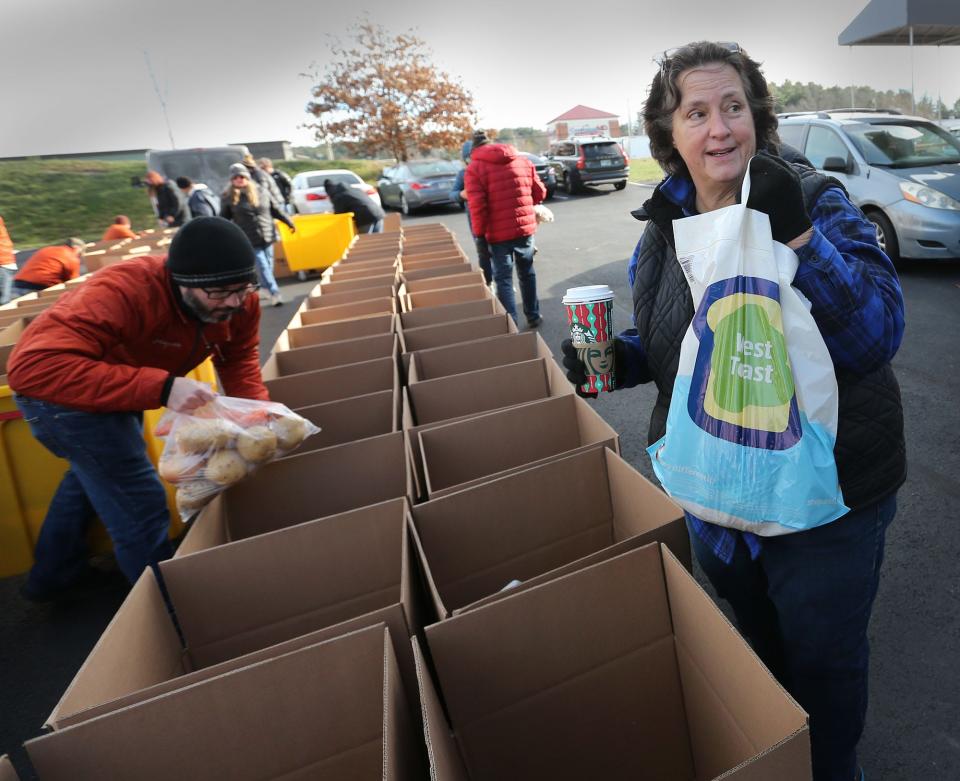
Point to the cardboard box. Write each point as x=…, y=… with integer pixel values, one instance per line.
x=349, y=296
x=324, y=356
x=335, y=709
x=331, y=314
x=539, y=524
x=303, y=487
x=459, y=454
x=487, y=389
x=433, y=260
x=347, y=279
x=347, y=420
x=468, y=277
x=424, y=337
x=447, y=313
x=435, y=271
x=338, y=382
x=477, y=354
x=449, y=295
x=622, y=670
x=345, y=571
x=323, y=333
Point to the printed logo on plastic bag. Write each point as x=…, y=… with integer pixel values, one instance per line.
x=742, y=387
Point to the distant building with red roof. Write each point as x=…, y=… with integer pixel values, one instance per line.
x=583, y=121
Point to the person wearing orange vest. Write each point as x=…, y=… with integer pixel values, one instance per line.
x=120, y=229
x=6, y=245
x=49, y=266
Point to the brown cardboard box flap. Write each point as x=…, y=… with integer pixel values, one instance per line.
x=346, y=420
x=478, y=391
x=476, y=354
x=440, y=282
x=435, y=271
x=326, y=356
x=482, y=446
x=421, y=338
x=540, y=523
x=446, y=313
x=140, y=647
x=329, y=314
x=338, y=382
x=447, y=295
x=304, y=336
x=217, y=729
x=350, y=296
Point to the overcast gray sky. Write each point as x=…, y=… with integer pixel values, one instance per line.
x=73, y=76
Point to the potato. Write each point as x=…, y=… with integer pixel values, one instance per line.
x=175, y=467
x=202, y=435
x=225, y=467
x=194, y=494
x=257, y=444
x=290, y=431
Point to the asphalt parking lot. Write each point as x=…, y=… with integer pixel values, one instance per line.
x=914, y=710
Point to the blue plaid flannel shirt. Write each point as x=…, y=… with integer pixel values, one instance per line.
x=855, y=299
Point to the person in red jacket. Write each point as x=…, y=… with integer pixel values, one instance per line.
x=502, y=189
x=119, y=229
x=86, y=368
x=49, y=266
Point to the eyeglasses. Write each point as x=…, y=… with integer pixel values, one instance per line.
x=663, y=60
x=222, y=294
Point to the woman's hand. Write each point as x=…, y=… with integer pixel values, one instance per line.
x=775, y=189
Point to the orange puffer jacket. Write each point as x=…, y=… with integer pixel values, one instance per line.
x=502, y=189
x=50, y=266
x=110, y=345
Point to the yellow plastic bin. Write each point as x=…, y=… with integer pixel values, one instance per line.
x=30, y=474
x=320, y=240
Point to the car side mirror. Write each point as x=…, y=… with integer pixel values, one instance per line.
x=837, y=165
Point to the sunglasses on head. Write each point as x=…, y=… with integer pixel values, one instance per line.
x=222, y=294
x=663, y=59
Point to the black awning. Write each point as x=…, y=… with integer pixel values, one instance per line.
x=889, y=22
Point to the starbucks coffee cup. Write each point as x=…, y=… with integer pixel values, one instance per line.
x=590, y=316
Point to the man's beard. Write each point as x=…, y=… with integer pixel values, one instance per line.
x=204, y=313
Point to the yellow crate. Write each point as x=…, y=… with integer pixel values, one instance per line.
x=30, y=474
x=320, y=240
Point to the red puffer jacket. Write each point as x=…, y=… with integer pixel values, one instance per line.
x=502, y=189
x=110, y=345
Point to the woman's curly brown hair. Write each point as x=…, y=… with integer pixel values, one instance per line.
x=664, y=98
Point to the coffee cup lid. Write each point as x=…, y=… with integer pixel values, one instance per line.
x=588, y=293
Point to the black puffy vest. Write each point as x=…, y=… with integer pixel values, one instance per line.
x=870, y=450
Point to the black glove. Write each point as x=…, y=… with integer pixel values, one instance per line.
x=775, y=189
x=577, y=369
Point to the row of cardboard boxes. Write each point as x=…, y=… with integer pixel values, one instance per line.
x=458, y=578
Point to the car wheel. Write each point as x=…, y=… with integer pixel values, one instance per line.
x=570, y=184
x=404, y=206
x=886, y=236
x=620, y=186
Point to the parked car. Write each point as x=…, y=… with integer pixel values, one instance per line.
x=309, y=197
x=588, y=162
x=545, y=171
x=902, y=171
x=953, y=125
x=418, y=183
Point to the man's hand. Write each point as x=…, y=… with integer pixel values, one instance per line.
x=576, y=369
x=775, y=189
x=187, y=395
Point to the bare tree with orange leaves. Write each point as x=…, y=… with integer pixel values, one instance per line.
x=383, y=94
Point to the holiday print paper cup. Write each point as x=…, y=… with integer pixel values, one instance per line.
x=590, y=316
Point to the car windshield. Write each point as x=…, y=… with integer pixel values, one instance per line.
x=535, y=159
x=318, y=180
x=432, y=168
x=904, y=144
x=609, y=149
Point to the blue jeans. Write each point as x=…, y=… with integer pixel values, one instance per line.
x=804, y=605
x=265, y=269
x=373, y=227
x=504, y=256
x=111, y=477
x=483, y=252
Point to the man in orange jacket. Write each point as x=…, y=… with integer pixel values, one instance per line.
x=49, y=266
x=86, y=368
x=120, y=229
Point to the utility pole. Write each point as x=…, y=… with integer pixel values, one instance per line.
x=160, y=97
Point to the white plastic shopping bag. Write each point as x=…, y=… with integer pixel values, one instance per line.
x=753, y=418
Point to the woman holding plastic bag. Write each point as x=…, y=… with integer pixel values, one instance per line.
x=775, y=328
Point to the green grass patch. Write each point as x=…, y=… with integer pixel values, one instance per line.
x=45, y=201
x=645, y=169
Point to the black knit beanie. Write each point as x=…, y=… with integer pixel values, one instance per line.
x=210, y=252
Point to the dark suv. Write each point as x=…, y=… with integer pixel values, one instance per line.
x=588, y=162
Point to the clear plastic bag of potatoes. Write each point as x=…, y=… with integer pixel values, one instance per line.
x=220, y=443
